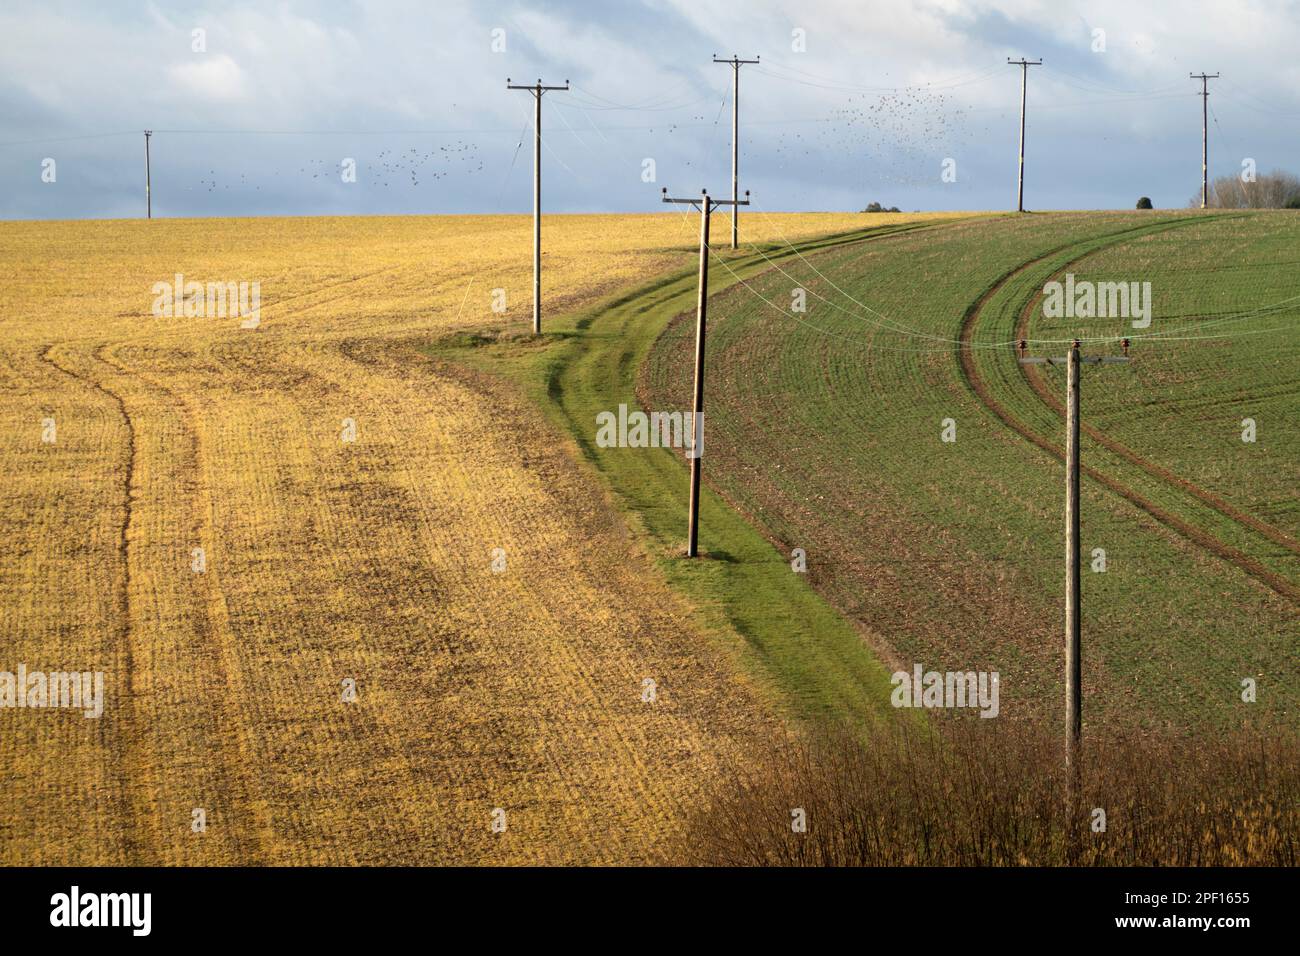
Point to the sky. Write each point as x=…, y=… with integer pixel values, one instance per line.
x=265, y=108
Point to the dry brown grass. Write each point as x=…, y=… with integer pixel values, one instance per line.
x=978, y=795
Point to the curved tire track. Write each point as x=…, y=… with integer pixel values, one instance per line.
x=971, y=374
x=1039, y=385
x=134, y=850
x=246, y=827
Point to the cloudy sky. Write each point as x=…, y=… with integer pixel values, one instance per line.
x=256, y=107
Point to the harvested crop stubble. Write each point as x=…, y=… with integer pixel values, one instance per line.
x=326, y=560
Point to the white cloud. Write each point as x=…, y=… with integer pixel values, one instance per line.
x=211, y=76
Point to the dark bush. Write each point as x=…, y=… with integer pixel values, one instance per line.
x=976, y=795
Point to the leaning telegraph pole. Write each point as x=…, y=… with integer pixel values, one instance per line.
x=1205, y=134
x=537, y=90
x=148, y=198
x=706, y=206
x=735, y=64
x=1073, y=644
x=1024, y=92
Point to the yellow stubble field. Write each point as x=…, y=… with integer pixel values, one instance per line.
x=348, y=494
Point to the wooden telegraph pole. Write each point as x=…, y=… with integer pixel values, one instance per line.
x=1073, y=644
x=1024, y=91
x=148, y=197
x=735, y=64
x=706, y=206
x=537, y=90
x=1205, y=134
x=1073, y=664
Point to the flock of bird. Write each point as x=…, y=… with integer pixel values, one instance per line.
x=901, y=134
x=435, y=164
x=896, y=134
x=401, y=166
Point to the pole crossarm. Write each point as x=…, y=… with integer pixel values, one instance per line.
x=1064, y=359
x=713, y=203
x=534, y=87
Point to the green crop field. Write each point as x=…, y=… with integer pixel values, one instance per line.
x=825, y=428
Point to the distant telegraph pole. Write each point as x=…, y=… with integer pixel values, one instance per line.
x=1073, y=645
x=1205, y=134
x=537, y=90
x=148, y=197
x=706, y=206
x=735, y=64
x=1024, y=91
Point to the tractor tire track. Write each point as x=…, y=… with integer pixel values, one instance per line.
x=1036, y=381
x=392, y=360
x=353, y=506
x=243, y=818
x=327, y=287
x=980, y=387
x=123, y=741
x=571, y=668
